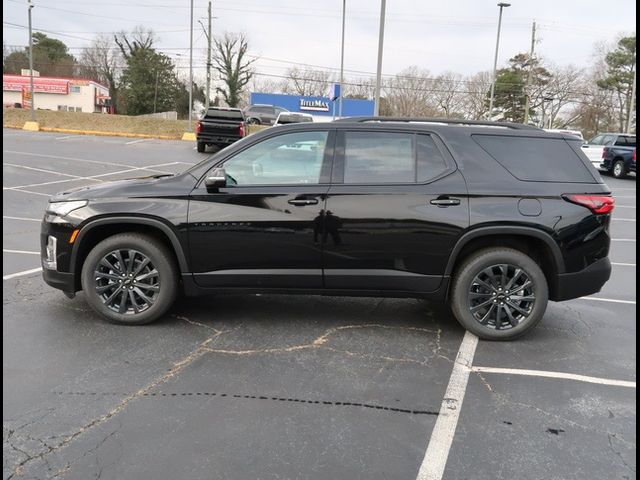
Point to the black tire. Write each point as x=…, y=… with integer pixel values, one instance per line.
x=470, y=289
x=253, y=121
x=159, y=277
x=201, y=146
x=618, y=170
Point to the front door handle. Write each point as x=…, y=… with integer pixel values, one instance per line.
x=445, y=202
x=299, y=202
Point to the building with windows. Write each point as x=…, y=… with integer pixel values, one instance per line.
x=56, y=93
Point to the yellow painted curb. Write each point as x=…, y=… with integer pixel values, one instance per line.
x=31, y=126
x=108, y=134
x=190, y=136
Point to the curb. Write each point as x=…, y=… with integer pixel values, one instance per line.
x=100, y=133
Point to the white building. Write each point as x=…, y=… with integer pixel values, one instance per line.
x=56, y=93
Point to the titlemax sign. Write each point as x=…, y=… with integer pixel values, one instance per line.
x=314, y=105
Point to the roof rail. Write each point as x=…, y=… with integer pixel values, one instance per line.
x=457, y=121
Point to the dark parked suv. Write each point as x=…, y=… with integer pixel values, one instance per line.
x=494, y=218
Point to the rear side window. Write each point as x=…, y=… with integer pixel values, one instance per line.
x=384, y=157
x=536, y=159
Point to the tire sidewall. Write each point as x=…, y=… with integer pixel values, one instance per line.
x=622, y=172
x=487, y=258
x=161, y=260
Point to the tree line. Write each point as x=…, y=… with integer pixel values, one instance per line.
x=142, y=79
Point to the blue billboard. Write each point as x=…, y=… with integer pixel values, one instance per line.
x=314, y=105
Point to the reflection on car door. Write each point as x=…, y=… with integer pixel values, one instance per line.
x=395, y=208
x=264, y=228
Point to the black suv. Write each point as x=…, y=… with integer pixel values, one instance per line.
x=494, y=218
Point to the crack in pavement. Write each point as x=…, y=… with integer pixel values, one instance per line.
x=619, y=454
x=176, y=368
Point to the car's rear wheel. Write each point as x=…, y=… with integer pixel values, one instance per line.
x=499, y=294
x=618, y=169
x=130, y=279
x=201, y=146
x=253, y=121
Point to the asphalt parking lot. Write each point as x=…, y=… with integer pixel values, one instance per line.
x=277, y=387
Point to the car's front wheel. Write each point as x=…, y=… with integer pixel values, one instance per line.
x=499, y=294
x=130, y=279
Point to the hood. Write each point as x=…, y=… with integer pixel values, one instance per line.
x=152, y=186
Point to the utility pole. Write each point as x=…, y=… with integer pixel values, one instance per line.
x=209, y=40
x=33, y=103
x=527, y=104
x=495, y=59
x=344, y=8
x=191, y=69
x=633, y=100
x=376, y=108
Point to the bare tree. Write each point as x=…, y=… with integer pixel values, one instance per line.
x=447, y=94
x=362, y=88
x=410, y=93
x=474, y=101
x=563, y=87
x=231, y=63
x=307, y=82
x=102, y=62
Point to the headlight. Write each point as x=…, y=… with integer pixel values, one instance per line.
x=64, y=208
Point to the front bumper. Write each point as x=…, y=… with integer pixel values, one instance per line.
x=61, y=280
x=585, y=282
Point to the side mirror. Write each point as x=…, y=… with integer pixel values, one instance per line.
x=216, y=179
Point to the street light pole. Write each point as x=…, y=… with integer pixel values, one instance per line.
x=209, y=40
x=376, y=108
x=33, y=103
x=191, y=68
x=495, y=59
x=344, y=8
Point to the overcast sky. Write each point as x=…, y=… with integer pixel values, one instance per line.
x=456, y=35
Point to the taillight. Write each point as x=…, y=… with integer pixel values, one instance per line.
x=595, y=203
x=605, y=152
x=199, y=127
x=634, y=155
x=241, y=129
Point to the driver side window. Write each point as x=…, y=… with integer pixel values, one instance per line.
x=293, y=158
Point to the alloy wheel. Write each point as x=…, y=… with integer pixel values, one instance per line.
x=501, y=296
x=127, y=281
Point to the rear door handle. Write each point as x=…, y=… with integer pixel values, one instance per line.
x=299, y=202
x=445, y=202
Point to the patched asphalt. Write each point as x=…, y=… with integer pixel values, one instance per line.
x=291, y=387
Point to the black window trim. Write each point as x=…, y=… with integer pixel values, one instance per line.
x=326, y=168
x=337, y=175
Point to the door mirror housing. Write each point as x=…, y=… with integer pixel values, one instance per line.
x=216, y=179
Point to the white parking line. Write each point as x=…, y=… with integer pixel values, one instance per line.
x=612, y=300
x=40, y=170
x=623, y=264
x=623, y=239
x=21, y=274
x=22, y=218
x=136, y=141
x=62, y=138
x=26, y=252
x=74, y=159
x=435, y=458
x=625, y=206
x=94, y=178
x=562, y=375
x=624, y=219
x=624, y=196
x=623, y=188
x=26, y=191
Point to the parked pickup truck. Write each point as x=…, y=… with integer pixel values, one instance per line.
x=220, y=127
x=618, y=161
x=619, y=148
